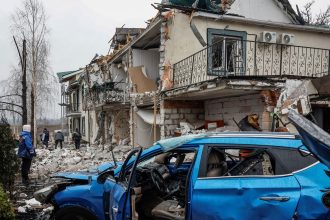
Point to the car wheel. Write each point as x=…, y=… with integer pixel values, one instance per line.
x=74, y=213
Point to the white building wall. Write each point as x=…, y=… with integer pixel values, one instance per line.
x=149, y=59
x=266, y=10
x=237, y=107
x=182, y=42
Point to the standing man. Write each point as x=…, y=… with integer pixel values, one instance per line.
x=59, y=138
x=26, y=152
x=45, y=137
x=76, y=138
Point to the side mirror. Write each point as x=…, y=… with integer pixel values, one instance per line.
x=103, y=176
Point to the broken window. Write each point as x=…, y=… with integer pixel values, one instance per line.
x=253, y=162
x=226, y=53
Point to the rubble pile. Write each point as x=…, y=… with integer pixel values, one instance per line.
x=49, y=161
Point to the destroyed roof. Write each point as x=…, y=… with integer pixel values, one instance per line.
x=122, y=35
x=60, y=75
x=65, y=76
x=287, y=7
x=155, y=23
x=215, y=7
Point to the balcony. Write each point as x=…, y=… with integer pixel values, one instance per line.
x=110, y=93
x=73, y=109
x=251, y=59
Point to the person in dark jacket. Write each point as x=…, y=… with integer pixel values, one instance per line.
x=59, y=138
x=26, y=152
x=76, y=138
x=45, y=137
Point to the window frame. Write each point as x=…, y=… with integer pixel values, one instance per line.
x=211, y=32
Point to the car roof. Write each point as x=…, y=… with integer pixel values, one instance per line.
x=237, y=138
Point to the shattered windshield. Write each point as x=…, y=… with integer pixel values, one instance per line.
x=172, y=143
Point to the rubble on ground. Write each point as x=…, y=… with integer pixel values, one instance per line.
x=50, y=161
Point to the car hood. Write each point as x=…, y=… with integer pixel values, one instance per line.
x=85, y=175
x=314, y=138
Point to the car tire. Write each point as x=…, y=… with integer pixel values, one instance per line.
x=74, y=213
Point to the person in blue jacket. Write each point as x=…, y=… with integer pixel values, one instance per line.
x=26, y=151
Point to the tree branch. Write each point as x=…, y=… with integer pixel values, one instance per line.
x=11, y=110
x=9, y=103
x=19, y=53
x=3, y=96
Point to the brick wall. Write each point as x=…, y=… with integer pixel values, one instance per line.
x=174, y=112
x=237, y=107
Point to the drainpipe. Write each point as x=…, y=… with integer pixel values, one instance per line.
x=196, y=31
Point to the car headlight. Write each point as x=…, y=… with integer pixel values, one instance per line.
x=43, y=194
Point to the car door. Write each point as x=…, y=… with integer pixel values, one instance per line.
x=120, y=195
x=244, y=197
x=314, y=138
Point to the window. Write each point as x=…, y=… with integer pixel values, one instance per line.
x=226, y=52
x=291, y=160
x=258, y=161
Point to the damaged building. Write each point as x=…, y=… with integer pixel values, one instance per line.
x=203, y=65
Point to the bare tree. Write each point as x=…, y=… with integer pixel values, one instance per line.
x=320, y=19
x=29, y=23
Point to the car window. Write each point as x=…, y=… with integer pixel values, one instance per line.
x=292, y=160
x=237, y=162
x=249, y=161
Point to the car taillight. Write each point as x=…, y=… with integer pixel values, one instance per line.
x=326, y=199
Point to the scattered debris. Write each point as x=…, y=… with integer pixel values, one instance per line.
x=50, y=161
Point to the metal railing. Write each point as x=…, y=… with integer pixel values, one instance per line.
x=109, y=94
x=72, y=108
x=243, y=58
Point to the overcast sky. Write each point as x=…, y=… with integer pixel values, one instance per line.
x=81, y=28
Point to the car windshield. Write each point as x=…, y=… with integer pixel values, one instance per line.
x=171, y=143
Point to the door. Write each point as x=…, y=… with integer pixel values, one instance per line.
x=246, y=195
x=120, y=195
x=314, y=138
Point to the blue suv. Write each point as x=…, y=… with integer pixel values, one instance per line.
x=207, y=176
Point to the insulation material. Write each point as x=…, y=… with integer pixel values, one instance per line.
x=148, y=116
x=149, y=59
x=140, y=80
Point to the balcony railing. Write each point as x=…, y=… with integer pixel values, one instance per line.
x=244, y=58
x=73, y=108
x=109, y=94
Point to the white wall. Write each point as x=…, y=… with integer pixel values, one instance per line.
x=237, y=107
x=182, y=42
x=149, y=59
x=118, y=75
x=266, y=10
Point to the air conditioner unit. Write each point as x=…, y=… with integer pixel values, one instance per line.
x=268, y=37
x=287, y=39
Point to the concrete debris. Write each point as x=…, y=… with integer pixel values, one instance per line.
x=32, y=203
x=68, y=159
x=50, y=161
x=21, y=209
